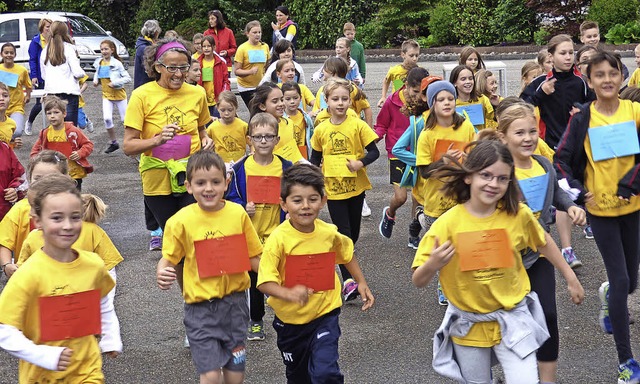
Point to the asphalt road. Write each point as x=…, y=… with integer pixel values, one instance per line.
x=389, y=344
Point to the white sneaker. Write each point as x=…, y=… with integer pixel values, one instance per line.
x=90, y=126
x=186, y=342
x=366, y=211
x=27, y=128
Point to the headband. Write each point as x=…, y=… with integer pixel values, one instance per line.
x=170, y=45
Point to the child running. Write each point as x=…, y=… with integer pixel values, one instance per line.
x=7, y=125
x=286, y=72
x=307, y=307
x=396, y=76
x=605, y=172
x=343, y=51
x=229, y=132
x=16, y=77
x=302, y=122
x=391, y=123
x=214, y=77
x=283, y=50
x=357, y=49
x=470, y=57
x=46, y=287
x=489, y=293
x=17, y=224
x=219, y=245
x=255, y=182
x=339, y=143
x=476, y=106
x=250, y=61
x=66, y=138
x=11, y=178
x=110, y=73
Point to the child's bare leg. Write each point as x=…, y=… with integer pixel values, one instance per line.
x=232, y=377
x=548, y=371
x=211, y=377
x=398, y=199
x=563, y=223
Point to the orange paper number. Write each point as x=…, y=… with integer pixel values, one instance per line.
x=63, y=147
x=442, y=146
x=222, y=256
x=316, y=271
x=484, y=250
x=70, y=316
x=263, y=189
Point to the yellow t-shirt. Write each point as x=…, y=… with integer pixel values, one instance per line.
x=286, y=241
x=543, y=149
x=16, y=94
x=230, y=141
x=7, y=128
x=306, y=98
x=196, y=55
x=267, y=216
x=299, y=128
x=487, y=108
x=356, y=105
x=526, y=173
x=418, y=191
x=208, y=85
x=435, y=202
x=191, y=224
x=92, y=239
x=396, y=75
x=15, y=226
x=348, y=138
x=602, y=177
x=324, y=115
x=81, y=102
x=60, y=136
x=108, y=92
x=152, y=107
x=287, y=147
x=42, y=276
x=486, y=290
x=634, y=80
x=249, y=56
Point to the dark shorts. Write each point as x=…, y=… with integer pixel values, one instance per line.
x=396, y=170
x=217, y=330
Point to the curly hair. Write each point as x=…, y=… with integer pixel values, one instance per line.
x=149, y=59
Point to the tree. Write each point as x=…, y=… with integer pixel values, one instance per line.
x=611, y=12
x=473, y=24
x=560, y=16
x=514, y=21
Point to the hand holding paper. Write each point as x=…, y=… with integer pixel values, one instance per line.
x=250, y=208
x=354, y=165
x=299, y=294
x=168, y=131
x=65, y=359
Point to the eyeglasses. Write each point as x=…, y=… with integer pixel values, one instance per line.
x=259, y=138
x=487, y=176
x=175, y=68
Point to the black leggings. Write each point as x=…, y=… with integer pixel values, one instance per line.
x=247, y=96
x=617, y=241
x=163, y=207
x=256, y=299
x=347, y=216
x=543, y=282
x=149, y=219
x=37, y=107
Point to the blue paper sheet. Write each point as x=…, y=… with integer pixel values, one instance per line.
x=615, y=140
x=103, y=72
x=474, y=111
x=9, y=79
x=534, y=190
x=256, y=56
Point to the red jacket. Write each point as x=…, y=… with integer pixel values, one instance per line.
x=11, y=172
x=225, y=41
x=79, y=143
x=391, y=123
x=220, y=75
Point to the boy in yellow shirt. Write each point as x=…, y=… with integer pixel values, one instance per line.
x=7, y=125
x=398, y=73
x=297, y=271
x=219, y=245
x=264, y=209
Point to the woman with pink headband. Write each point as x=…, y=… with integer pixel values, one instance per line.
x=165, y=124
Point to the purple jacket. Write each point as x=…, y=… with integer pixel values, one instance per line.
x=391, y=122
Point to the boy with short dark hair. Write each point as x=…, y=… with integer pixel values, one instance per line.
x=297, y=271
x=255, y=184
x=219, y=245
x=357, y=50
x=590, y=35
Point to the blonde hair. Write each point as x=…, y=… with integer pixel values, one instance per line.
x=407, y=44
x=481, y=82
x=527, y=68
x=228, y=97
x=4, y=87
x=335, y=83
x=55, y=47
x=250, y=25
x=52, y=184
x=516, y=111
x=42, y=23
x=348, y=27
x=93, y=207
x=51, y=102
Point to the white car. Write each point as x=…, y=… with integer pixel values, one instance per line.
x=20, y=28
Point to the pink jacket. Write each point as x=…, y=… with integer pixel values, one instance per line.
x=391, y=122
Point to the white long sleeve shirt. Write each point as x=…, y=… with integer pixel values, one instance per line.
x=62, y=78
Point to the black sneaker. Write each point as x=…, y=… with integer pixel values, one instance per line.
x=386, y=224
x=114, y=146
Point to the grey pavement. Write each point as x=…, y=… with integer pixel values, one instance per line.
x=391, y=343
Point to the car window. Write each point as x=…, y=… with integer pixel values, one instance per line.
x=83, y=26
x=9, y=31
x=32, y=27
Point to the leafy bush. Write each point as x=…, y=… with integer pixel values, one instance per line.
x=624, y=33
x=514, y=21
x=371, y=35
x=541, y=36
x=441, y=25
x=608, y=13
x=472, y=22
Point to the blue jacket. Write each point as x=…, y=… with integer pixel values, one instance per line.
x=140, y=76
x=405, y=150
x=310, y=127
x=34, y=60
x=118, y=76
x=237, y=191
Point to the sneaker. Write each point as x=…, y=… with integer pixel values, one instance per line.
x=114, y=146
x=186, y=342
x=386, y=224
x=442, y=300
x=415, y=228
x=350, y=290
x=90, y=128
x=419, y=215
x=27, y=129
x=588, y=233
x=156, y=243
x=571, y=258
x=256, y=331
x=629, y=372
x=366, y=211
x=414, y=241
x=605, y=321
